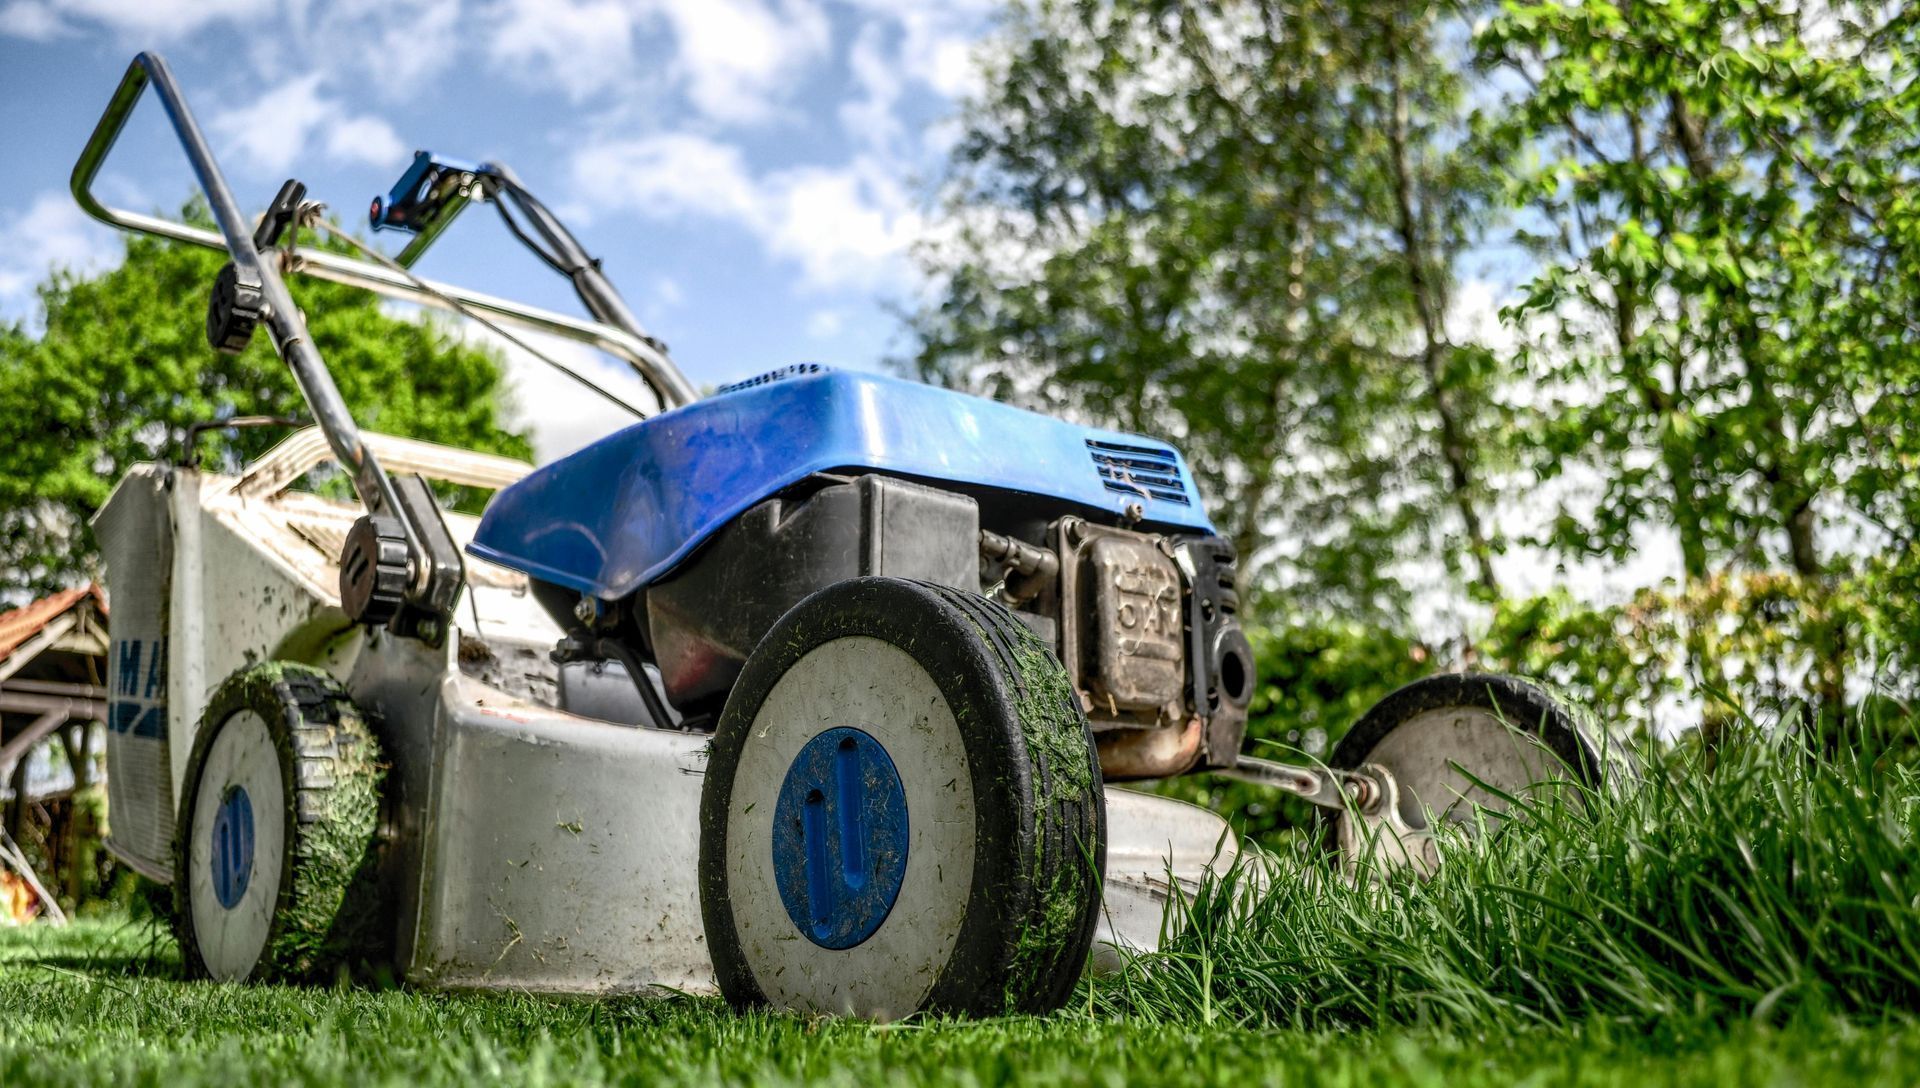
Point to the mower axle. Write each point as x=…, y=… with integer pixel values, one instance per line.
x=1316, y=785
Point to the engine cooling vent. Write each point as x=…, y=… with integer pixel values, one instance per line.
x=797, y=370
x=1133, y=470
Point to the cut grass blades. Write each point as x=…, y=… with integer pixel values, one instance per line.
x=1782, y=884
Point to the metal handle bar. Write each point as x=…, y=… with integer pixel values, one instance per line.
x=236, y=239
x=596, y=291
x=653, y=366
x=433, y=571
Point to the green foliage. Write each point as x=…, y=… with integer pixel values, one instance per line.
x=1234, y=226
x=1239, y=226
x=123, y=369
x=1725, y=296
x=1616, y=661
x=1622, y=660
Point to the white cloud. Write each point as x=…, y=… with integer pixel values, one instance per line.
x=738, y=61
x=845, y=226
x=283, y=124
x=937, y=38
x=145, y=20
x=32, y=20
x=869, y=119
x=825, y=324
x=666, y=294
x=364, y=138
x=52, y=233
x=581, y=47
x=394, y=46
x=560, y=414
x=739, y=58
x=666, y=175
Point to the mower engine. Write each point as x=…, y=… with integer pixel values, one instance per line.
x=1148, y=625
x=1096, y=541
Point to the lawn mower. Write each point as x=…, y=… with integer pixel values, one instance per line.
x=809, y=690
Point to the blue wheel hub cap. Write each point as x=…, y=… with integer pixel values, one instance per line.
x=232, y=852
x=840, y=838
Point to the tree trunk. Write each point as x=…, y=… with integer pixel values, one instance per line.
x=1429, y=307
x=1788, y=491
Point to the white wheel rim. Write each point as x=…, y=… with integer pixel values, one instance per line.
x=873, y=686
x=241, y=758
x=1437, y=756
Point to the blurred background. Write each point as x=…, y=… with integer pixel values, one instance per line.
x=1569, y=339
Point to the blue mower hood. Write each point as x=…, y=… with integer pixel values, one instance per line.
x=620, y=513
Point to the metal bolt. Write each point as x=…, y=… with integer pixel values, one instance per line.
x=586, y=609
x=1134, y=511
x=1365, y=794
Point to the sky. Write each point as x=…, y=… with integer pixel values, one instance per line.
x=752, y=173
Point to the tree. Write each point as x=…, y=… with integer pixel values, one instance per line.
x=123, y=369
x=1236, y=226
x=1729, y=283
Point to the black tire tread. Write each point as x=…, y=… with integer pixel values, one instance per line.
x=1070, y=813
x=1565, y=728
x=329, y=913
x=1025, y=938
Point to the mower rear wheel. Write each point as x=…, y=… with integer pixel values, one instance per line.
x=274, y=853
x=1462, y=743
x=902, y=811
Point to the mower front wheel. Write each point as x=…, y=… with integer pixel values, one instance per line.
x=902, y=811
x=274, y=855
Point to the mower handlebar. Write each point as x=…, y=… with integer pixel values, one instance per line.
x=652, y=365
x=236, y=238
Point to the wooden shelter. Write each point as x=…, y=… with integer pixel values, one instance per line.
x=53, y=666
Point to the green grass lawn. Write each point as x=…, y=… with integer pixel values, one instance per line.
x=98, y=1003
x=1757, y=926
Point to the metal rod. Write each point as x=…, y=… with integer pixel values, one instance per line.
x=13, y=856
x=285, y=325
x=673, y=387
x=14, y=702
x=596, y=291
x=1325, y=787
x=638, y=352
x=54, y=687
x=282, y=317
x=36, y=731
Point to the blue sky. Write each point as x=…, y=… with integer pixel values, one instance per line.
x=753, y=172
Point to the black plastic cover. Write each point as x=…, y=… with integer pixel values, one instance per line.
x=1220, y=659
x=705, y=617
